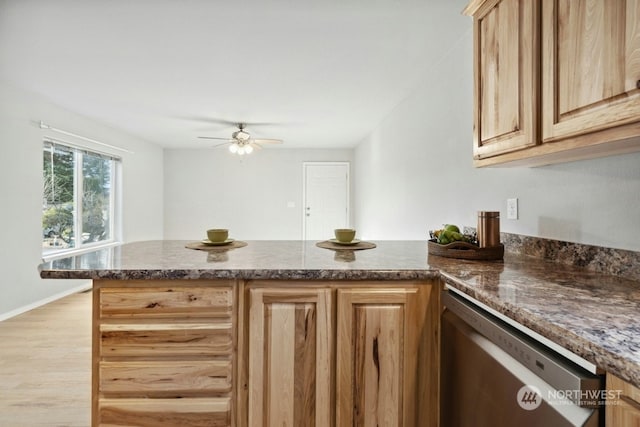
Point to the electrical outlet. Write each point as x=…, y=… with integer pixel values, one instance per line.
x=512, y=208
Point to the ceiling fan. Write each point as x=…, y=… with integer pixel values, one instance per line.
x=241, y=141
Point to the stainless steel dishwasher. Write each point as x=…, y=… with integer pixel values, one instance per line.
x=496, y=375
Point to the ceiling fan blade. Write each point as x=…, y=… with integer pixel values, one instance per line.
x=225, y=122
x=267, y=141
x=255, y=145
x=208, y=120
x=220, y=145
x=213, y=137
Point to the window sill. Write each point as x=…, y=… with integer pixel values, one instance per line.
x=83, y=250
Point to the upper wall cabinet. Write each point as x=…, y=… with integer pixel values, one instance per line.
x=591, y=66
x=555, y=80
x=505, y=86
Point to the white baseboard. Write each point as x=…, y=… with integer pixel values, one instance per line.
x=24, y=309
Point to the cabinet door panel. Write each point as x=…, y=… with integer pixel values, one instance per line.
x=378, y=357
x=381, y=334
x=506, y=52
x=591, y=66
x=624, y=409
x=290, y=348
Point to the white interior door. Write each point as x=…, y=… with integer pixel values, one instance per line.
x=326, y=199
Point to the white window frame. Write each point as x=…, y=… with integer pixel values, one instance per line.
x=114, y=201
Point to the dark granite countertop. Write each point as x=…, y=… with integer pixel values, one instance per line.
x=260, y=259
x=593, y=315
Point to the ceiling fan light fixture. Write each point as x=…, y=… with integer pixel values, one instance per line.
x=241, y=142
x=241, y=135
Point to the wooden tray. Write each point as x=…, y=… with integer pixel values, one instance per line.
x=337, y=247
x=202, y=247
x=464, y=250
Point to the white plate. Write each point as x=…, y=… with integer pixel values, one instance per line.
x=210, y=243
x=353, y=242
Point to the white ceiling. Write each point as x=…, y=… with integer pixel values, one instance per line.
x=323, y=73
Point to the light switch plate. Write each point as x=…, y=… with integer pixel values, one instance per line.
x=512, y=208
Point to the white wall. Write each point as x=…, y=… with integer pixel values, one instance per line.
x=21, y=192
x=249, y=195
x=415, y=173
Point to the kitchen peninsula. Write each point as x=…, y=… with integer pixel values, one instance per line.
x=286, y=332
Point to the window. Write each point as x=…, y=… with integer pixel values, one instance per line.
x=78, y=205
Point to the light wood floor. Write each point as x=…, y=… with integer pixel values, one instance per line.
x=45, y=365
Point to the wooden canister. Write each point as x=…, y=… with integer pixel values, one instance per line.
x=488, y=229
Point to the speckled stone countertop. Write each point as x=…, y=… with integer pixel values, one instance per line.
x=594, y=315
x=260, y=259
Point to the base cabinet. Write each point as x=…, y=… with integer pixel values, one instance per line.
x=335, y=355
x=379, y=359
x=624, y=411
x=290, y=356
x=265, y=353
x=163, y=353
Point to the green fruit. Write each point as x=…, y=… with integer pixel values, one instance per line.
x=444, y=237
x=451, y=227
x=456, y=236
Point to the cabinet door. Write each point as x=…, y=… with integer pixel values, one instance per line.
x=379, y=342
x=506, y=81
x=290, y=357
x=590, y=66
x=625, y=412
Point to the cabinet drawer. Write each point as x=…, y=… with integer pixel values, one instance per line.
x=187, y=302
x=165, y=378
x=164, y=412
x=214, y=339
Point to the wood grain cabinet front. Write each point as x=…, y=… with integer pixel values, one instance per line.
x=164, y=353
x=385, y=364
x=290, y=357
x=590, y=66
x=555, y=80
x=327, y=354
x=506, y=54
x=623, y=410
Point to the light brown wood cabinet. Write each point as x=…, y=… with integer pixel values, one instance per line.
x=325, y=354
x=505, y=45
x=163, y=353
x=623, y=411
x=555, y=80
x=290, y=357
x=265, y=353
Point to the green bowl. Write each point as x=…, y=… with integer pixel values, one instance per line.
x=345, y=235
x=218, y=234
